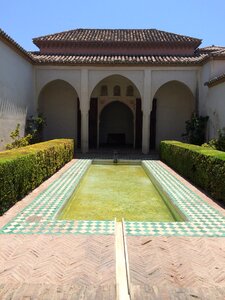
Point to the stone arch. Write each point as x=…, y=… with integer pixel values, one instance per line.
x=116, y=126
x=99, y=102
x=115, y=81
x=46, y=76
x=59, y=104
x=188, y=78
x=174, y=104
x=136, y=78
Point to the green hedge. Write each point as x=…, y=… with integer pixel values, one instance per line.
x=202, y=166
x=23, y=169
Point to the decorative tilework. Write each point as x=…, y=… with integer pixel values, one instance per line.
x=202, y=219
x=39, y=217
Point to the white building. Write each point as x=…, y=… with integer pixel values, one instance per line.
x=108, y=87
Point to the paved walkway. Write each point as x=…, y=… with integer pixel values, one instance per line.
x=57, y=267
x=84, y=266
x=177, y=267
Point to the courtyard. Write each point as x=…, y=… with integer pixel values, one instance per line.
x=51, y=259
x=116, y=190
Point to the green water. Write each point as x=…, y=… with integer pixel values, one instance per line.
x=116, y=191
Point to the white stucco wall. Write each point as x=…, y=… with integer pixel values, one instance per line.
x=16, y=92
x=187, y=75
x=21, y=84
x=111, y=82
x=58, y=105
x=134, y=75
x=175, y=104
x=204, y=76
x=212, y=100
x=217, y=68
x=85, y=81
x=46, y=74
x=215, y=104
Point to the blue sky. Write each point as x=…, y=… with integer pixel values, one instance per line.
x=26, y=19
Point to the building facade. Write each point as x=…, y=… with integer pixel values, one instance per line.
x=112, y=87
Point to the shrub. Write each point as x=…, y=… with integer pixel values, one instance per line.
x=23, y=169
x=205, y=167
x=34, y=127
x=219, y=143
x=196, y=129
x=18, y=141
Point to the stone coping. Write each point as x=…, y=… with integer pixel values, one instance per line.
x=201, y=218
x=39, y=216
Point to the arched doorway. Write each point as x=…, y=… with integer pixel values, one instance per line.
x=115, y=97
x=58, y=103
x=116, y=127
x=174, y=104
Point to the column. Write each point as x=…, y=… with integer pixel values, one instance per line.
x=146, y=109
x=84, y=107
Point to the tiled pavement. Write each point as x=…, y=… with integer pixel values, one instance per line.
x=57, y=267
x=40, y=215
x=181, y=268
x=202, y=218
x=77, y=262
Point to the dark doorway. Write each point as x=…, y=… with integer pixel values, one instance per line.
x=138, y=125
x=153, y=124
x=116, y=126
x=78, y=124
x=93, y=123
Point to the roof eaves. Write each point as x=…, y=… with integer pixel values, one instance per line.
x=96, y=35
x=216, y=80
x=15, y=46
x=55, y=59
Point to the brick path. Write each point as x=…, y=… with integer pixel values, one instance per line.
x=57, y=265
x=83, y=266
x=177, y=267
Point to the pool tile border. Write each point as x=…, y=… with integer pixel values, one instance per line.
x=202, y=219
x=39, y=217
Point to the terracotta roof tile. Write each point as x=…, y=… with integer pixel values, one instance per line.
x=216, y=80
x=213, y=50
x=117, y=59
x=14, y=44
x=117, y=35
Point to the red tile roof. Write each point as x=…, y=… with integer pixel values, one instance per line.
x=213, y=50
x=118, y=36
x=13, y=44
x=198, y=58
x=216, y=80
x=118, y=59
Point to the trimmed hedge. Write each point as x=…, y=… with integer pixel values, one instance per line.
x=23, y=169
x=203, y=166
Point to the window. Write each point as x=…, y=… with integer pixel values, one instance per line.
x=116, y=90
x=104, y=90
x=130, y=90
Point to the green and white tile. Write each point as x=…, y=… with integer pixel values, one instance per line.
x=201, y=218
x=39, y=217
